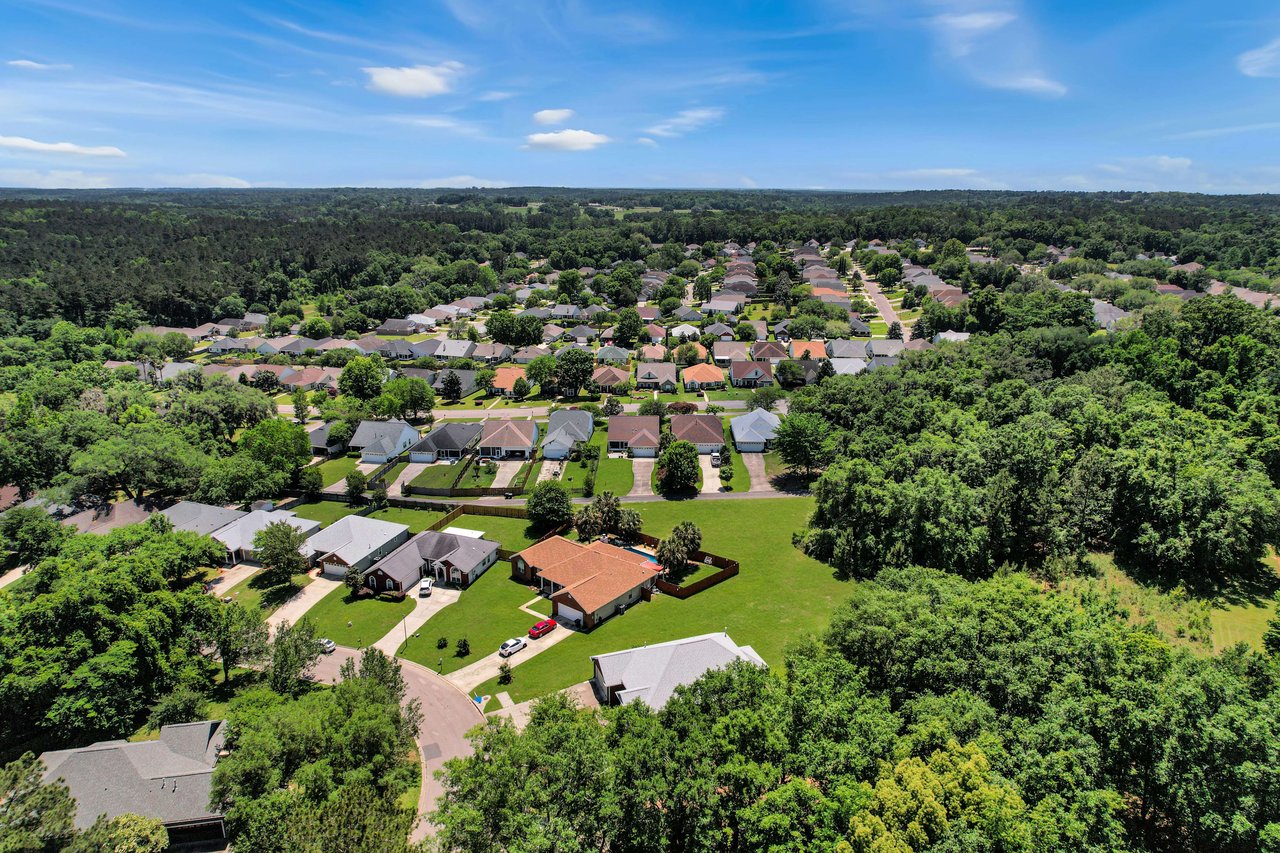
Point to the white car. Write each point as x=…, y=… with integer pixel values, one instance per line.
x=327, y=646
x=424, y=588
x=510, y=647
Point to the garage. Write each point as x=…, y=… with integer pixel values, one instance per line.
x=563, y=611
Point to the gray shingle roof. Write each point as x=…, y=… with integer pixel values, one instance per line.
x=652, y=673
x=200, y=518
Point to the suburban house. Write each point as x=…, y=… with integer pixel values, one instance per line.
x=397, y=327
x=806, y=350
x=379, y=441
x=586, y=583
x=840, y=348
x=884, y=353
x=651, y=674
x=451, y=440
x=551, y=332
x=704, y=432
x=451, y=349
x=466, y=380
x=321, y=443
x=720, y=330
x=168, y=779
x=754, y=431
x=492, y=353
x=652, y=352
x=634, y=434
x=770, y=351
x=661, y=375
x=725, y=302
x=750, y=374
x=203, y=519
x=724, y=352
x=237, y=536
x=951, y=337
x=703, y=375
x=655, y=333
x=354, y=541
x=848, y=366
x=582, y=333
x=685, y=332
x=614, y=355
x=607, y=378
x=504, y=380
x=524, y=355
x=447, y=557
x=566, y=428
x=508, y=439
x=858, y=328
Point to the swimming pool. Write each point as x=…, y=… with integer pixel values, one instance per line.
x=645, y=554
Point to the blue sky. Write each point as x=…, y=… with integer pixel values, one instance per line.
x=864, y=94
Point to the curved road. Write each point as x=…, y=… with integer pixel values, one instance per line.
x=447, y=715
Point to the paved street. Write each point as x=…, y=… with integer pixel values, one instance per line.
x=11, y=576
x=878, y=299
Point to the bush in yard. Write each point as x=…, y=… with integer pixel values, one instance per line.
x=278, y=547
x=726, y=471
x=678, y=467
x=354, y=580
x=356, y=482
x=504, y=673
x=310, y=482
x=549, y=506
x=442, y=643
x=589, y=485
x=464, y=647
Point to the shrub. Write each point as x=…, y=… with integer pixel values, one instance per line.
x=442, y=643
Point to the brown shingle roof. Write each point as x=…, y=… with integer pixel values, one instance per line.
x=507, y=433
x=635, y=430
x=697, y=429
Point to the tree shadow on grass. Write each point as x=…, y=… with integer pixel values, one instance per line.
x=1254, y=587
x=272, y=595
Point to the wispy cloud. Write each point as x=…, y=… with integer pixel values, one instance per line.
x=747, y=182
x=687, y=121
x=32, y=65
x=1236, y=130
x=204, y=179
x=552, y=116
x=463, y=182
x=1262, y=61
x=495, y=95
x=995, y=47
x=644, y=140
x=22, y=143
x=452, y=124
x=54, y=180
x=566, y=140
x=414, y=81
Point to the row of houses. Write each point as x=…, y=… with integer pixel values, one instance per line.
x=641, y=435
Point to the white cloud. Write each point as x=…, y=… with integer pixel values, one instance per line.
x=687, y=121
x=1262, y=61
x=463, y=182
x=496, y=95
x=442, y=122
x=995, y=47
x=960, y=31
x=31, y=65
x=644, y=140
x=204, y=179
x=748, y=182
x=1215, y=132
x=566, y=140
x=414, y=81
x=552, y=116
x=54, y=180
x=1033, y=84
x=22, y=143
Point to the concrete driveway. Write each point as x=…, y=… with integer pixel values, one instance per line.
x=295, y=608
x=423, y=609
x=754, y=463
x=470, y=677
x=710, y=475
x=447, y=715
x=11, y=576
x=412, y=470
x=228, y=578
x=507, y=470
x=340, y=487
x=642, y=470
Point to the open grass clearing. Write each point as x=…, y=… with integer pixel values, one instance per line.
x=325, y=512
x=357, y=622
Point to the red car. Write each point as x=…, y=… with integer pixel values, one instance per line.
x=546, y=626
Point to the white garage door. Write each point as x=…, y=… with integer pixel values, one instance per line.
x=568, y=612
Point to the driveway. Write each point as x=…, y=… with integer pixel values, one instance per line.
x=754, y=463
x=507, y=470
x=447, y=715
x=297, y=607
x=710, y=475
x=550, y=470
x=228, y=578
x=11, y=576
x=423, y=609
x=470, y=677
x=340, y=487
x=582, y=693
x=411, y=471
x=642, y=470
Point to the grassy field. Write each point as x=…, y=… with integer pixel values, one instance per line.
x=436, y=476
x=779, y=596
x=486, y=615
x=417, y=520
x=614, y=475
x=325, y=512
x=333, y=470
x=730, y=394
x=370, y=618
x=252, y=592
x=512, y=534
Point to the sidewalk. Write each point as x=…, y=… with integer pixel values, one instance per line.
x=423, y=609
x=11, y=576
x=295, y=608
x=470, y=677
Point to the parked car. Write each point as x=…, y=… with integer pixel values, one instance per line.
x=424, y=588
x=715, y=460
x=327, y=646
x=546, y=626
x=510, y=647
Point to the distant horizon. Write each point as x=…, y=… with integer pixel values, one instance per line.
x=1050, y=95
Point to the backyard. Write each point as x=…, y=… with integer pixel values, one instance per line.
x=780, y=595
x=325, y=512
x=357, y=622
x=333, y=470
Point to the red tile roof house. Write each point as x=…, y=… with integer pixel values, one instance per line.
x=697, y=376
x=587, y=583
x=814, y=349
x=504, y=380
x=704, y=432
x=635, y=434
x=661, y=375
x=750, y=374
x=508, y=439
x=653, y=352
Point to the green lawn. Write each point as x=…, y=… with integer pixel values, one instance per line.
x=478, y=477
x=615, y=475
x=325, y=512
x=370, y=618
x=511, y=533
x=779, y=596
x=394, y=472
x=486, y=615
x=741, y=481
x=730, y=394
x=252, y=592
x=417, y=520
x=474, y=400
x=437, y=476
x=333, y=470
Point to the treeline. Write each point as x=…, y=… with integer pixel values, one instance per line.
x=935, y=714
x=1030, y=446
